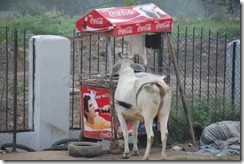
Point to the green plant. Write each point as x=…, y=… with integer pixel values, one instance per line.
x=203, y=112
x=200, y=111
x=129, y=2
x=218, y=17
x=230, y=26
x=177, y=124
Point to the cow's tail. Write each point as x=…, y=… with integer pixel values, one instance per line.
x=141, y=82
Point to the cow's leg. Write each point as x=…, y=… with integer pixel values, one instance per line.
x=123, y=125
x=150, y=135
x=149, y=108
x=134, y=134
x=163, y=116
x=163, y=129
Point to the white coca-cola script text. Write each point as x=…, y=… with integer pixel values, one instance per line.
x=98, y=20
x=122, y=12
x=163, y=25
x=123, y=31
x=146, y=27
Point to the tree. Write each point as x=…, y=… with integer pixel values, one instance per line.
x=32, y=7
x=232, y=6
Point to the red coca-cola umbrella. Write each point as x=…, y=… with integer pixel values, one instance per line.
x=122, y=21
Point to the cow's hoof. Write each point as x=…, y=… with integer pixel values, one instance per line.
x=164, y=158
x=126, y=156
x=146, y=158
x=135, y=153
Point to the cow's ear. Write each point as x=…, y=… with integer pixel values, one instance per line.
x=116, y=68
x=120, y=55
x=137, y=67
x=125, y=55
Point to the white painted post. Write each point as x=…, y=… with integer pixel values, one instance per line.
x=49, y=83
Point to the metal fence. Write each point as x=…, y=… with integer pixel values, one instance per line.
x=203, y=58
x=209, y=65
x=209, y=70
x=13, y=83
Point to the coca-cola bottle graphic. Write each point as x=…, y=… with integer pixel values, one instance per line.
x=84, y=24
x=105, y=109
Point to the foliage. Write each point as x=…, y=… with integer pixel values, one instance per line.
x=59, y=16
x=130, y=2
x=202, y=112
x=32, y=7
x=65, y=25
x=66, y=7
x=37, y=7
x=222, y=25
x=231, y=5
x=39, y=25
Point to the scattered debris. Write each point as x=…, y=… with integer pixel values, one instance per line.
x=177, y=148
x=3, y=152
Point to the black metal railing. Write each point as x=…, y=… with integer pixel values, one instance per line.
x=209, y=70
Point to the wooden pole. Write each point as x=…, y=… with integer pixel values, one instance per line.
x=173, y=60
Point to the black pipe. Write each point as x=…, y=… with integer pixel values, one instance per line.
x=200, y=83
x=216, y=64
x=90, y=55
x=209, y=46
x=98, y=44
x=193, y=61
x=185, y=68
x=224, y=75
x=177, y=61
x=33, y=78
x=24, y=108
x=6, y=78
x=15, y=89
x=73, y=82
x=19, y=146
x=114, y=51
x=233, y=74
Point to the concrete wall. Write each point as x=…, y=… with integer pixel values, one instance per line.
x=49, y=83
x=49, y=88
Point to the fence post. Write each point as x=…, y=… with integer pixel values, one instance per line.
x=6, y=75
x=172, y=57
x=233, y=74
x=15, y=90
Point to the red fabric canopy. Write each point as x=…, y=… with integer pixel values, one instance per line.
x=129, y=20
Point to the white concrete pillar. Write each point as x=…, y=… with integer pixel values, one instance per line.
x=49, y=72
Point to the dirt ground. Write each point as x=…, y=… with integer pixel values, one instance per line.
x=107, y=155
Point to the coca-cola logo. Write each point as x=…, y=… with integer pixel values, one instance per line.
x=163, y=25
x=106, y=135
x=122, y=12
x=146, y=27
x=123, y=31
x=98, y=20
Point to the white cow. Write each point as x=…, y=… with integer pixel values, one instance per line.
x=141, y=99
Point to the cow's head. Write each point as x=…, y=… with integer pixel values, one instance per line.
x=126, y=61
